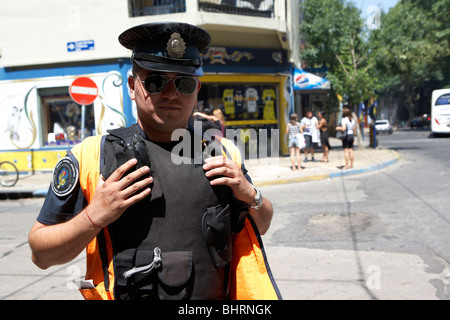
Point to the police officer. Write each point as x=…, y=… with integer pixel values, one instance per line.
x=140, y=230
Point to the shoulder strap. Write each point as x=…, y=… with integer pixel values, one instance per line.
x=123, y=144
x=88, y=154
x=124, y=133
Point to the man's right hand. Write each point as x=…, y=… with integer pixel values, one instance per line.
x=113, y=196
x=60, y=243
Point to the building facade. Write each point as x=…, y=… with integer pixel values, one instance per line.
x=46, y=45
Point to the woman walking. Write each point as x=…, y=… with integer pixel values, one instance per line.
x=348, y=124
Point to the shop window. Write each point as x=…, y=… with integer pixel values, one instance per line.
x=241, y=104
x=61, y=118
x=249, y=109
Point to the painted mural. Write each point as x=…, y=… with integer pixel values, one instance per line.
x=40, y=122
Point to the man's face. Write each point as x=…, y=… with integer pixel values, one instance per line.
x=161, y=113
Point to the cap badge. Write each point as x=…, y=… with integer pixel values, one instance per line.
x=176, y=46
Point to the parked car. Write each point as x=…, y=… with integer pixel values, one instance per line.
x=383, y=126
x=420, y=121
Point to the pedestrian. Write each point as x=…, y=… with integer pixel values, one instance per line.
x=219, y=115
x=215, y=120
x=208, y=120
x=156, y=227
x=348, y=125
x=309, y=126
x=293, y=130
x=323, y=127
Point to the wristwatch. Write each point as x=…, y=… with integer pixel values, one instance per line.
x=257, y=203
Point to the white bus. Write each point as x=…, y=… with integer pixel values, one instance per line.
x=440, y=111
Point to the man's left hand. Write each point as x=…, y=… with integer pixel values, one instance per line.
x=224, y=171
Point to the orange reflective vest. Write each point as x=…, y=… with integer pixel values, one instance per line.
x=251, y=278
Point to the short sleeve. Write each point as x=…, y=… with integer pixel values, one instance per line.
x=57, y=209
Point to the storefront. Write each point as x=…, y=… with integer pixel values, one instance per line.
x=252, y=88
x=40, y=121
x=311, y=91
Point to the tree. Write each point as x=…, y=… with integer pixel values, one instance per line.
x=332, y=31
x=411, y=51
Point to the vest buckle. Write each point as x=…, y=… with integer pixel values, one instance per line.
x=156, y=264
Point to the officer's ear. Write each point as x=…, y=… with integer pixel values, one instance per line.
x=199, y=85
x=131, y=82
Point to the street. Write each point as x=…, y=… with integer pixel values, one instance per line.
x=382, y=235
x=379, y=235
x=20, y=278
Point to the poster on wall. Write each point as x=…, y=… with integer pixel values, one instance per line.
x=40, y=112
x=241, y=102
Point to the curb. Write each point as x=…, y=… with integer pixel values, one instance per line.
x=364, y=170
x=15, y=195
x=23, y=194
x=330, y=175
x=292, y=180
x=41, y=193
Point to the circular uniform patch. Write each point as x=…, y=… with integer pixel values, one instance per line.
x=65, y=177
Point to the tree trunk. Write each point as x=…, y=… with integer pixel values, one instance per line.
x=358, y=132
x=409, y=102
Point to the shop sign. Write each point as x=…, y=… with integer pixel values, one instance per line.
x=83, y=91
x=305, y=81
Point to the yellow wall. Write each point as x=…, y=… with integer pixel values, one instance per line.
x=33, y=160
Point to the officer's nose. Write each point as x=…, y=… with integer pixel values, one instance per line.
x=170, y=92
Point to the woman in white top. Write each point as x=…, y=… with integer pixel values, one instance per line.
x=348, y=124
x=309, y=126
x=293, y=128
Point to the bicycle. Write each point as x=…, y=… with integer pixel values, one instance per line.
x=8, y=174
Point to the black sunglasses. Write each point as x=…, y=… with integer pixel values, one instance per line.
x=156, y=83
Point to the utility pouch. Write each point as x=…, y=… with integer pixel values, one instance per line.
x=123, y=263
x=216, y=229
x=156, y=276
x=176, y=275
x=238, y=214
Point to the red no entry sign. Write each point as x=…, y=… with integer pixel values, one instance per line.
x=83, y=91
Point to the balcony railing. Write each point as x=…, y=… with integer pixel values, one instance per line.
x=257, y=8
x=155, y=7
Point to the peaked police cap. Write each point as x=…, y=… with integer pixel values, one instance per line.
x=167, y=46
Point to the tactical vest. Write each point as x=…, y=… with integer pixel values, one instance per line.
x=185, y=219
x=166, y=247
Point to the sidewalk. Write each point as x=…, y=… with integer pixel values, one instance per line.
x=278, y=171
x=263, y=172
x=318, y=274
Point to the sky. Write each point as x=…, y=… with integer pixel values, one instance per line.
x=363, y=5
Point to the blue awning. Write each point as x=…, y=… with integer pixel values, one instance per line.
x=306, y=81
